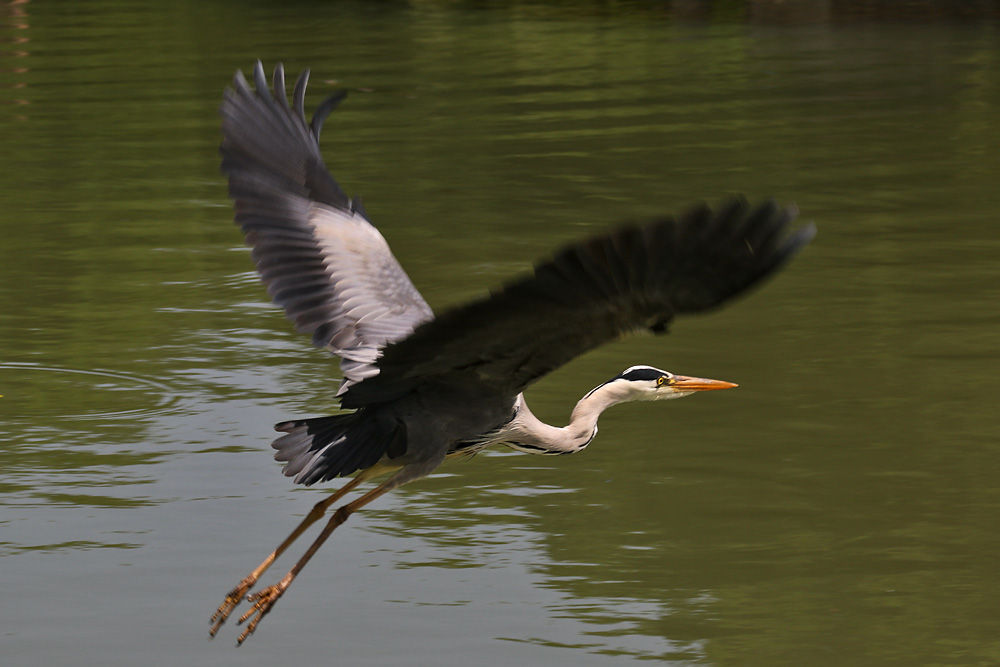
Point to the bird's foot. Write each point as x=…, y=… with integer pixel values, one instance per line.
x=263, y=601
x=233, y=598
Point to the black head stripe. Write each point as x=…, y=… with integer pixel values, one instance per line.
x=640, y=373
x=633, y=374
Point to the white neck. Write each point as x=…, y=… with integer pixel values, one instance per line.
x=527, y=433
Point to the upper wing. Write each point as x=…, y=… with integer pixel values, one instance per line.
x=635, y=278
x=319, y=256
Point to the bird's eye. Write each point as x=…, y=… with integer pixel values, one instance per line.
x=660, y=381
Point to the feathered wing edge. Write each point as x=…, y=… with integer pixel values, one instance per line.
x=268, y=144
x=319, y=256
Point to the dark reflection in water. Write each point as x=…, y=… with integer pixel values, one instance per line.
x=840, y=508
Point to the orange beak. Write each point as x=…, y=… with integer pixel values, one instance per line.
x=685, y=383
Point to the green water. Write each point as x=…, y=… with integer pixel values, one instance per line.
x=839, y=508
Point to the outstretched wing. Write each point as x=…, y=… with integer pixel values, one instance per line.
x=320, y=257
x=635, y=278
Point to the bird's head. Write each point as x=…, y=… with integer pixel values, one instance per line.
x=645, y=383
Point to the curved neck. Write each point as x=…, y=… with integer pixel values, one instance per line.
x=527, y=433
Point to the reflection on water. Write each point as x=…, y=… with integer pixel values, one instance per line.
x=840, y=508
x=490, y=540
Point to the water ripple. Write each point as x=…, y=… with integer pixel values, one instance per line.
x=81, y=394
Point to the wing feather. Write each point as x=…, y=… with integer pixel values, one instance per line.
x=636, y=278
x=321, y=259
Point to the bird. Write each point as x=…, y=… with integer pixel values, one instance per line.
x=417, y=387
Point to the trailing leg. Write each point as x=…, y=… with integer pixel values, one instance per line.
x=263, y=601
x=235, y=596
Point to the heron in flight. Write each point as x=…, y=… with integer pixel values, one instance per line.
x=419, y=388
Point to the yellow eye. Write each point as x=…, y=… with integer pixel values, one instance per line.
x=660, y=381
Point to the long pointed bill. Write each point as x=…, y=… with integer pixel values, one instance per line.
x=685, y=383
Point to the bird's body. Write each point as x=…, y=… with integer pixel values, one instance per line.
x=419, y=387
x=411, y=430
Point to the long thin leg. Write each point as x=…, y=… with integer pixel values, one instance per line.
x=264, y=599
x=235, y=596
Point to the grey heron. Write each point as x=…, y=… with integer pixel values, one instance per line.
x=419, y=388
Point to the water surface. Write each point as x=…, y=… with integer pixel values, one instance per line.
x=839, y=508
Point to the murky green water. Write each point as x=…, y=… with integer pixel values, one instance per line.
x=839, y=508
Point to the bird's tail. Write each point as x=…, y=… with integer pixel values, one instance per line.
x=321, y=448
